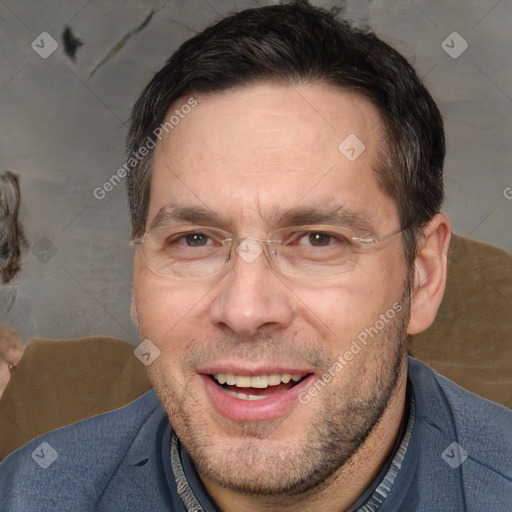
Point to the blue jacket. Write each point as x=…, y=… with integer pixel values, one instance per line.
x=458, y=458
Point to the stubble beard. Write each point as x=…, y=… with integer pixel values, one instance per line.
x=266, y=467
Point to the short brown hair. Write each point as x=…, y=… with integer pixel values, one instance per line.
x=293, y=43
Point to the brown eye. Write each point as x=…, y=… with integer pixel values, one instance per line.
x=196, y=239
x=319, y=239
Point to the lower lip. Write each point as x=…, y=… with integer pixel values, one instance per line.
x=237, y=409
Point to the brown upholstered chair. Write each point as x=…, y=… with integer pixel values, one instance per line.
x=58, y=382
x=470, y=341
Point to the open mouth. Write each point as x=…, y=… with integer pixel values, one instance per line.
x=256, y=387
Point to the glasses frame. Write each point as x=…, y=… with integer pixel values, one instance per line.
x=232, y=243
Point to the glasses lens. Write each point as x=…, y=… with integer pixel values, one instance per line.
x=184, y=253
x=315, y=251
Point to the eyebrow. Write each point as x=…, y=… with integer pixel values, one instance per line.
x=340, y=216
x=171, y=213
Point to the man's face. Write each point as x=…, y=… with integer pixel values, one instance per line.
x=250, y=158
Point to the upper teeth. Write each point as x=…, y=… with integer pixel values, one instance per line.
x=257, y=381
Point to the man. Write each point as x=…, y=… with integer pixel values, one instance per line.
x=285, y=202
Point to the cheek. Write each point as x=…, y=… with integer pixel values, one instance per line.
x=341, y=311
x=162, y=309
x=169, y=312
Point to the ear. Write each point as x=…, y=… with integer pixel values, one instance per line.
x=430, y=268
x=133, y=310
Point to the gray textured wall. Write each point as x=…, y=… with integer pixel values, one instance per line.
x=63, y=124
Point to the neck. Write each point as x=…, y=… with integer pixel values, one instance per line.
x=345, y=486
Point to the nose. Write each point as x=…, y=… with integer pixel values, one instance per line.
x=250, y=297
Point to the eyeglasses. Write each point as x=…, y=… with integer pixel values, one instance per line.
x=182, y=252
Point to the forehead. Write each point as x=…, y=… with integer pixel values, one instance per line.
x=270, y=147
